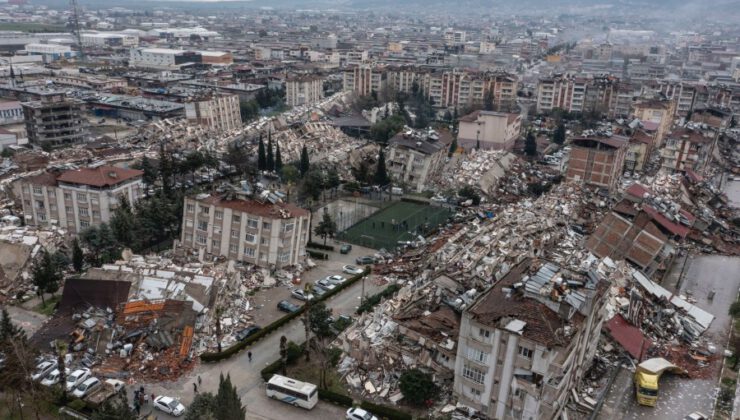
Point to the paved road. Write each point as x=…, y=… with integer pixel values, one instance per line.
x=246, y=377
x=678, y=396
x=29, y=320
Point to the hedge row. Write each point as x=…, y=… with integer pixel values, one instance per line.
x=269, y=329
x=294, y=353
x=375, y=299
x=320, y=246
x=384, y=411
x=333, y=397
x=317, y=255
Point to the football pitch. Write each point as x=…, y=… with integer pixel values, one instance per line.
x=401, y=221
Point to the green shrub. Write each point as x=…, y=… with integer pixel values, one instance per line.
x=295, y=351
x=343, y=400
x=375, y=299
x=271, y=369
x=317, y=255
x=77, y=405
x=418, y=387
x=385, y=412
x=334, y=355
x=320, y=246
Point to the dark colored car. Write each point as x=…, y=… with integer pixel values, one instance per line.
x=345, y=249
x=288, y=307
x=247, y=332
x=365, y=260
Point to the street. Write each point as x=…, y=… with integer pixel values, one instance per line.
x=245, y=375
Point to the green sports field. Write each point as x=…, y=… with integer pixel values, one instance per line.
x=401, y=221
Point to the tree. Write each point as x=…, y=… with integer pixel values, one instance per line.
x=313, y=183
x=278, y=158
x=321, y=328
x=559, y=134
x=453, y=147
x=362, y=173
x=270, y=155
x=166, y=169
x=308, y=291
x=421, y=120
x=123, y=223
x=284, y=354
x=238, y=157
x=305, y=164
x=327, y=227
x=150, y=173
x=468, y=193
x=448, y=116
x=488, y=100
x=78, y=257
x=61, y=349
x=102, y=242
x=332, y=179
x=117, y=408
x=417, y=387
x=46, y=275
x=381, y=174
x=228, y=403
x=261, y=158
x=219, y=312
x=203, y=407
x=289, y=175
x=530, y=144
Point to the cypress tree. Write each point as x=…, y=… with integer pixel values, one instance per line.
x=381, y=174
x=261, y=160
x=304, y=161
x=270, y=155
x=278, y=158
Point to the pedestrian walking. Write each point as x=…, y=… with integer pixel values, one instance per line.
x=249, y=355
x=141, y=398
x=153, y=398
x=195, y=387
x=199, y=381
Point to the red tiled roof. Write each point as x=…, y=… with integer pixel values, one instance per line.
x=254, y=207
x=99, y=177
x=628, y=336
x=637, y=190
x=672, y=227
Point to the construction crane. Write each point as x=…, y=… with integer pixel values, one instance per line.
x=76, y=27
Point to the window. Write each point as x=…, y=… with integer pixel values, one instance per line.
x=475, y=392
x=96, y=214
x=67, y=196
x=202, y=225
x=215, y=244
x=219, y=215
x=40, y=204
x=51, y=193
x=236, y=219
x=190, y=208
x=249, y=252
x=234, y=248
x=250, y=238
x=84, y=212
x=252, y=223
x=475, y=375
x=200, y=238
x=84, y=224
x=234, y=233
x=484, y=333
x=188, y=237
x=81, y=196
x=525, y=352
x=37, y=190
x=205, y=210
x=41, y=216
x=69, y=209
x=477, y=355
x=266, y=226
x=289, y=227
x=284, y=256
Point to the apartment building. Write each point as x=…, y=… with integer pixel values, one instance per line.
x=218, y=111
x=563, y=92
x=55, y=120
x=77, y=199
x=242, y=228
x=597, y=161
x=684, y=93
x=171, y=59
x=492, y=130
x=688, y=148
x=414, y=156
x=525, y=343
x=364, y=79
x=304, y=90
x=659, y=111
x=11, y=112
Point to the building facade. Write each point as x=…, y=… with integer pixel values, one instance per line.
x=520, y=352
x=244, y=229
x=657, y=111
x=55, y=121
x=77, y=199
x=597, y=161
x=304, y=90
x=413, y=157
x=687, y=148
x=363, y=80
x=220, y=112
x=494, y=130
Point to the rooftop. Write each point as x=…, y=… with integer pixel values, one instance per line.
x=250, y=206
x=102, y=176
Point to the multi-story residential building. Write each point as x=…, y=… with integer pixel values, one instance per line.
x=364, y=79
x=303, y=90
x=526, y=343
x=561, y=91
x=684, y=93
x=597, y=161
x=688, y=149
x=242, y=228
x=490, y=130
x=77, y=199
x=659, y=111
x=454, y=37
x=414, y=156
x=639, y=150
x=55, y=120
x=217, y=111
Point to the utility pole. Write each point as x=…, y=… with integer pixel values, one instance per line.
x=76, y=27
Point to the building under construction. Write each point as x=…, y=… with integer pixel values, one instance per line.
x=55, y=120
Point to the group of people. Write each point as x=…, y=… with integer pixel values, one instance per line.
x=141, y=399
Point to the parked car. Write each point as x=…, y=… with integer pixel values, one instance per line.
x=357, y=413
x=318, y=292
x=335, y=279
x=169, y=405
x=53, y=378
x=43, y=369
x=247, y=332
x=352, y=269
x=86, y=387
x=77, y=377
x=696, y=415
x=345, y=249
x=325, y=284
x=367, y=259
x=301, y=295
x=288, y=307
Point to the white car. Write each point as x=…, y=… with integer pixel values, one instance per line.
x=696, y=415
x=86, y=387
x=335, y=279
x=77, y=377
x=169, y=405
x=352, y=269
x=43, y=369
x=300, y=294
x=356, y=413
x=53, y=378
x=325, y=284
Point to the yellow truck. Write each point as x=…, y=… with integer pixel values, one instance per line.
x=647, y=375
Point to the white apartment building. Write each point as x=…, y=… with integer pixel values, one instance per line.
x=304, y=90
x=563, y=92
x=244, y=229
x=77, y=199
x=363, y=80
x=220, y=112
x=413, y=157
x=494, y=130
x=526, y=342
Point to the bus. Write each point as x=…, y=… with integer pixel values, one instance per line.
x=300, y=394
